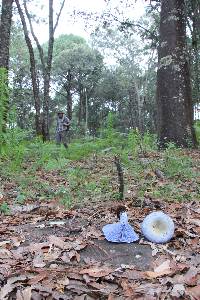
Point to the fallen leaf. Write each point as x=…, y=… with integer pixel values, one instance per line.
x=195, y=222
x=190, y=278
x=194, y=292
x=128, y=288
x=97, y=272
x=164, y=267
x=39, y=277
x=178, y=290
x=161, y=270
x=57, y=241
x=132, y=274
x=4, y=243
x=4, y=253
x=24, y=294
x=38, y=260
x=11, y=284
x=63, y=281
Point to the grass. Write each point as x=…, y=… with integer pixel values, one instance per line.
x=25, y=163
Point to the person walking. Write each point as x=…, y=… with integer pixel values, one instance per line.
x=62, y=127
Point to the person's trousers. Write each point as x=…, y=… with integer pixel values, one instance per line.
x=61, y=138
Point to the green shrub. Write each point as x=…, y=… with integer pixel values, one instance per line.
x=4, y=208
x=141, y=143
x=197, y=130
x=4, y=97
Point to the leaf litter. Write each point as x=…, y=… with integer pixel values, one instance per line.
x=43, y=249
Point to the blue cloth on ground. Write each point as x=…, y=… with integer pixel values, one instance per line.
x=120, y=232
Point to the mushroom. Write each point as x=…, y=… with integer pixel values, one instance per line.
x=158, y=227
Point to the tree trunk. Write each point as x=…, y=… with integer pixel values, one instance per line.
x=67, y=87
x=33, y=70
x=5, y=28
x=81, y=109
x=196, y=48
x=174, y=97
x=47, y=73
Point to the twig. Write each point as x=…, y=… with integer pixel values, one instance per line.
x=120, y=177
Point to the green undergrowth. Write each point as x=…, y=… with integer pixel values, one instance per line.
x=46, y=171
x=197, y=130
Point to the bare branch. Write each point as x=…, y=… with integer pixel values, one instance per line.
x=58, y=16
x=41, y=52
x=51, y=36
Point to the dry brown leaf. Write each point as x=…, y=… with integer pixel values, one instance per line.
x=4, y=244
x=111, y=297
x=77, y=286
x=39, y=277
x=4, y=253
x=97, y=271
x=164, y=267
x=178, y=290
x=24, y=294
x=161, y=270
x=194, y=222
x=190, y=278
x=38, y=260
x=35, y=247
x=64, y=281
x=132, y=274
x=58, y=242
x=128, y=288
x=11, y=284
x=78, y=257
x=193, y=292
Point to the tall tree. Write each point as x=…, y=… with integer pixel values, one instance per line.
x=46, y=61
x=33, y=70
x=174, y=97
x=77, y=70
x=5, y=28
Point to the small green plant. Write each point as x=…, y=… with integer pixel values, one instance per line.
x=141, y=143
x=176, y=164
x=197, y=130
x=20, y=198
x=116, y=196
x=4, y=98
x=91, y=186
x=66, y=199
x=105, y=184
x=4, y=208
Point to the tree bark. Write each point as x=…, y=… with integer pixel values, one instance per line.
x=5, y=28
x=195, y=16
x=174, y=97
x=33, y=71
x=68, y=86
x=81, y=108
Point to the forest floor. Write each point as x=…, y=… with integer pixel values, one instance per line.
x=51, y=241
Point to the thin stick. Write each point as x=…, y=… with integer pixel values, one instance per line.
x=120, y=177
